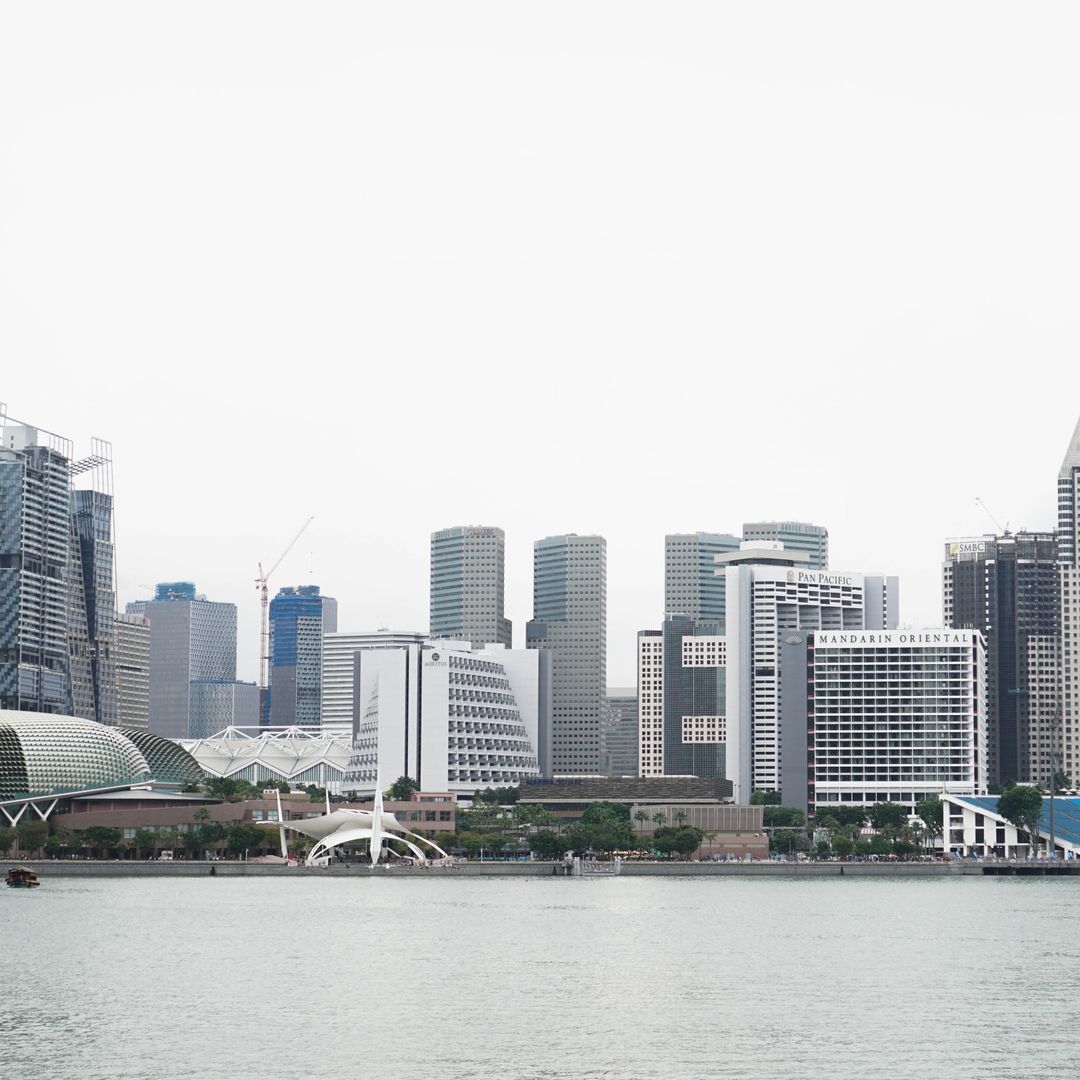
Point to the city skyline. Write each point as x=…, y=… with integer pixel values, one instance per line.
x=556, y=269
x=647, y=578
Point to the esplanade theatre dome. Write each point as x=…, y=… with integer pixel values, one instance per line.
x=43, y=754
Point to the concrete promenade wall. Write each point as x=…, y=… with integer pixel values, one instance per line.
x=49, y=868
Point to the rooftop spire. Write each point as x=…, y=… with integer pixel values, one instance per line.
x=1072, y=455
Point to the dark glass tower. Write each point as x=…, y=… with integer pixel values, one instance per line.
x=1007, y=587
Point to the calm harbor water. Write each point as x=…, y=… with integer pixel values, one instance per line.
x=490, y=979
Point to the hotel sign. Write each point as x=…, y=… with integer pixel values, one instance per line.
x=818, y=577
x=893, y=637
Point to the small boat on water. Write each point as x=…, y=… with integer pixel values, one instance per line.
x=22, y=877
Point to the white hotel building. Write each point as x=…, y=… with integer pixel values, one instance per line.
x=871, y=716
x=770, y=592
x=452, y=718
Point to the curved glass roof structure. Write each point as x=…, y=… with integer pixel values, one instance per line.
x=44, y=754
x=169, y=762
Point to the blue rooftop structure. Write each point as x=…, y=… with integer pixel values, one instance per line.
x=1066, y=814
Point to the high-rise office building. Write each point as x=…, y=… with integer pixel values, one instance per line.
x=682, y=687
x=1006, y=587
x=621, y=732
x=338, y=659
x=771, y=591
x=452, y=717
x=691, y=586
x=217, y=704
x=873, y=716
x=132, y=660
x=57, y=599
x=468, y=585
x=570, y=620
x=299, y=617
x=192, y=640
x=1065, y=723
x=795, y=536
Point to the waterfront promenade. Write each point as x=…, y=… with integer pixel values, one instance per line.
x=88, y=868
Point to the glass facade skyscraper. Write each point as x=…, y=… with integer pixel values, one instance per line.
x=1007, y=587
x=468, y=578
x=570, y=620
x=57, y=598
x=299, y=616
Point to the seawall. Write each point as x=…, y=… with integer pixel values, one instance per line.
x=49, y=868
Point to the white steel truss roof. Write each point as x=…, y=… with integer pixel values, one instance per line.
x=285, y=751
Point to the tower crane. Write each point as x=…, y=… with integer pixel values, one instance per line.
x=264, y=628
x=1005, y=531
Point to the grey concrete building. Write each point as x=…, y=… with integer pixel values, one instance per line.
x=217, y=704
x=468, y=579
x=795, y=536
x=132, y=661
x=192, y=639
x=570, y=620
x=620, y=743
x=691, y=586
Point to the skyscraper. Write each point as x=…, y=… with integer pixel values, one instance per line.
x=132, y=661
x=770, y=591
x=1007, y=587
x=299, y=617
x=57, y=600
x=691, y=586
x=682, y=686
x=468, y=585
x=192, y=640
x=1065, y=736
x=621, y=732
x=570, y=620
x=795, y=536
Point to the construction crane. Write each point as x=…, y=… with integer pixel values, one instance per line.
x=1005, y=531
x=261, y=583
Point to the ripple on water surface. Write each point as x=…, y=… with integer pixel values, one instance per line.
x=494, y=979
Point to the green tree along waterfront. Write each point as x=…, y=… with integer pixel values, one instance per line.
x=1022, y=806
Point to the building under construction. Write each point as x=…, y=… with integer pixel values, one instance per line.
x=57, y=575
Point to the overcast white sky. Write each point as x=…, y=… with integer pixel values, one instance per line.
x=616, y=268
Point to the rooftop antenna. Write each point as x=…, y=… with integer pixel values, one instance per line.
x=1005, y=531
